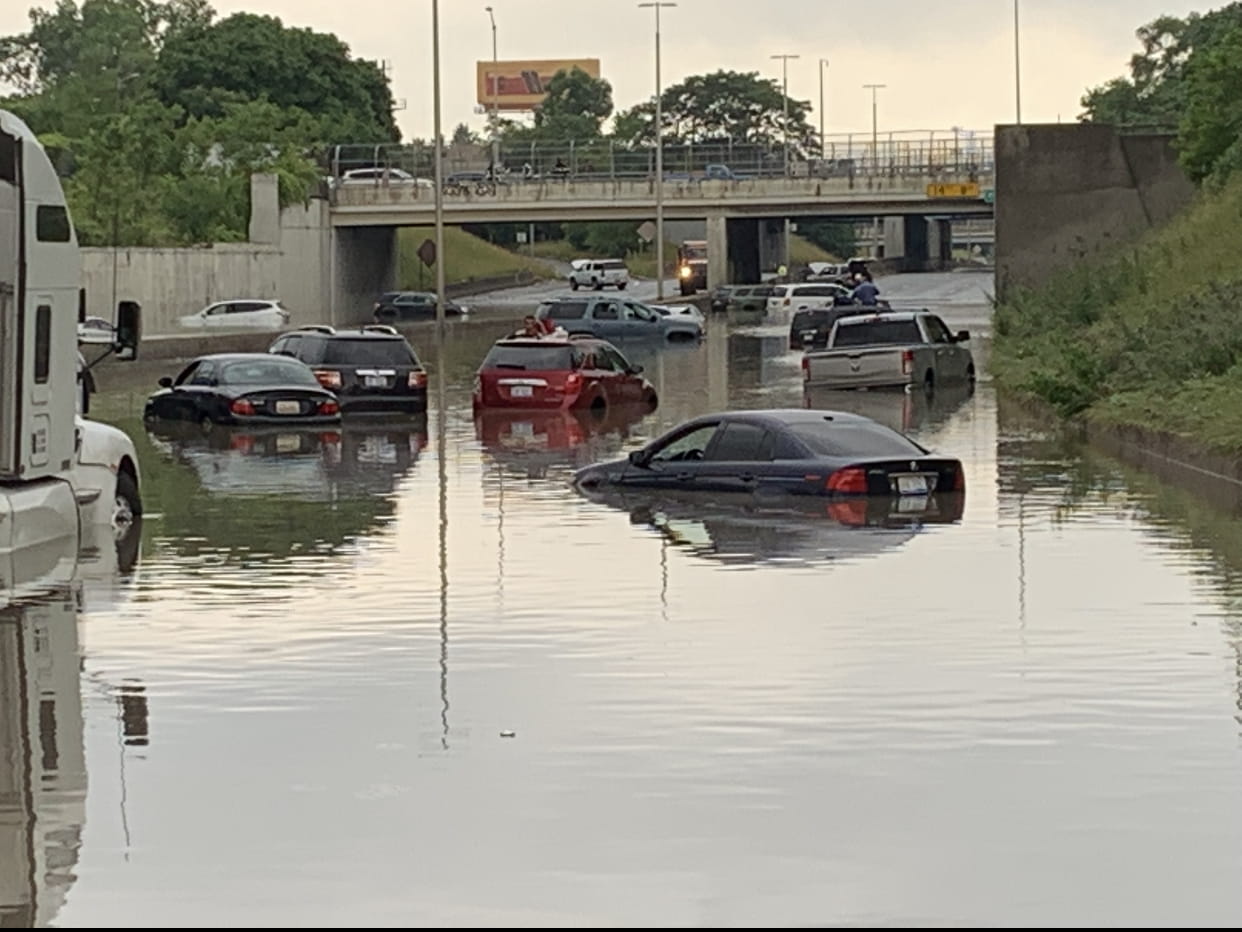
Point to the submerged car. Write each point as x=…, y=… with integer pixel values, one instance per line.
x=617, y=318
x=371, y=370
x=784, y=452
x=688, y=311
x=559, y=371
x=243, y=388
x=393, y=306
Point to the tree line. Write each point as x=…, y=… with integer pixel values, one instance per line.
x=1187, y=78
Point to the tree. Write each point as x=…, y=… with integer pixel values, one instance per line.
x=834, y=236
x=463, y=135
x=245, y=57
x=1155, y=92
x=1210, y=136
x=575, y=108
x=740, y=106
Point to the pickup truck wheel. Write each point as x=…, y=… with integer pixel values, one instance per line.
x=573, y=284
x=597, y=285
x=128, y=504
x=651, y=400
x=621, y=286
x=929, y=385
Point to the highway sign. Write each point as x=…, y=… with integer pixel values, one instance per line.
x=647, y=232
x=427, y=253
x=968, y=189
x=989, y=196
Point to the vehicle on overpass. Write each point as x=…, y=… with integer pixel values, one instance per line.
x=891, y=350
x=692, y=266
x=63, y=477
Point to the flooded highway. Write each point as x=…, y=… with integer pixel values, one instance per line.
x=405, y=676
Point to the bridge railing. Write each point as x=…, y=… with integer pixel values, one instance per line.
x=948, y=154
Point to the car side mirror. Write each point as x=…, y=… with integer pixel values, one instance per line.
x=166, y=382
x=128, y=330
x=640, y=458
x=963, y=336
x=636, y=370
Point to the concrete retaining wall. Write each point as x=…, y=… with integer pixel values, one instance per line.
x=1065, y=193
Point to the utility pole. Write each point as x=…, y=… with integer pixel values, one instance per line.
x=438, y=141
x=784, y=59
x=1017, y=59
x=875, y=121
x=495, y=127
x=823, y=140
x=659, y=159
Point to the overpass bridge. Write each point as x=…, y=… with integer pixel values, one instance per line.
x=920, y=182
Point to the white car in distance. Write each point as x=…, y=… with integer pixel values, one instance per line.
x=239, y=314
x=96, y=331
x=384, y=176
x=679, y=310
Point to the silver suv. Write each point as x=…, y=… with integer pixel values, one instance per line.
x=617, y=319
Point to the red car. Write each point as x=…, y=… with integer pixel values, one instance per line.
x=559, y=372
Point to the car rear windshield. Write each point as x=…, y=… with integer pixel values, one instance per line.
x=530, y=357
x=267, y=372
x=862, y=441
x=810, y=319
x=878, y=333
x=370, y=352
x=565, y=310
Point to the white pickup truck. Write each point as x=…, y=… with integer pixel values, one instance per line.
x=895, y=349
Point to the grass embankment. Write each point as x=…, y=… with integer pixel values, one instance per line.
x=1149, y=338
x=467, y=259
x=643, y=264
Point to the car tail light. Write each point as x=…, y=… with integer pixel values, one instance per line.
x=329, y=407
x=242, y=407
x=848, y=481
x=478, y=385
x=806, y=368
x=907, y=362
x=573, y=382
x=328, y=378
x=417, y=379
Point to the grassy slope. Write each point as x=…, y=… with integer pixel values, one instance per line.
x=1148, y=338
x=468, y=258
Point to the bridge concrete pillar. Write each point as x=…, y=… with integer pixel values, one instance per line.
x=771, y=245
x=366, y=262
x=939, y=243
x=717, y=251
x=743, y=243
x=894, y=237
x=916, y=254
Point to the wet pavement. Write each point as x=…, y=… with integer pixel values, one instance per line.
x=409, y=678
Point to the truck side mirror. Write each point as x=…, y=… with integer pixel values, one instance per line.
x=963, y=336
x=128, y=330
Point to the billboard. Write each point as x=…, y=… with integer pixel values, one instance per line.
x=522, y=85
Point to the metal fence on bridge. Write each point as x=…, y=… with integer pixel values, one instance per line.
x=949, y=154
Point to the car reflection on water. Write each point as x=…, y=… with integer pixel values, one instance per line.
x=309, y=464
x=531, y=442
x=787, y=530
x=902, y=411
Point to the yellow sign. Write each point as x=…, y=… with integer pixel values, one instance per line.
x=523, y=85
x=969, y=189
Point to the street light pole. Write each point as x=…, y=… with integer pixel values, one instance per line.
x=785, y=102
x=659, y=159
x=438, y=142
x=823, y=142
x=875, y=121
x=494, y=127
x=1017, y=60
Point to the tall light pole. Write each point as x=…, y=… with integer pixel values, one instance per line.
x=1017, y=60
x=438, y=142
x=494, y=127
x=784, y=59
x=659, y=141
x=823, y=143
x=875, y=120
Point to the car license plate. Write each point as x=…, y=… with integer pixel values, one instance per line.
x=521, y=391
x=288, y=407
x=912, y=485
x=288, y=443
x=376, y=381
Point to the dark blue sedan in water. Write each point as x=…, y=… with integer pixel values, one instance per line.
x=784, y=452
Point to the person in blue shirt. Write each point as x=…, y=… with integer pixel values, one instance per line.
x=866, y=292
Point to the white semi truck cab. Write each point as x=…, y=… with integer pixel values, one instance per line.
x=61, y=475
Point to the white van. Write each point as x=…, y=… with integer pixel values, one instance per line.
x=806, y=297
x=598, y=273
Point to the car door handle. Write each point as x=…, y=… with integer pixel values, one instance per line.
x=685, y=476
x=746, y=477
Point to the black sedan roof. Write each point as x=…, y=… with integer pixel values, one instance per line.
x=785, y=417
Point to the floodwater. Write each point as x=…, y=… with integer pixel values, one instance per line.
x=411, y=679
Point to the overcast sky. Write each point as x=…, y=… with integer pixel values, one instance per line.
x=946, y=64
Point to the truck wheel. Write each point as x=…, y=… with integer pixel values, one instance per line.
x=573, y=284
x=621, y=286
x=597, y=285
x=651, y=400
x=128, y=503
